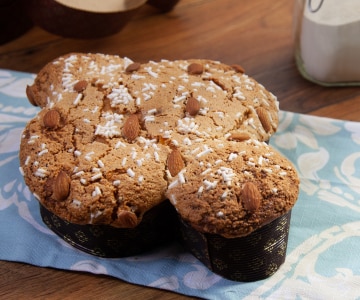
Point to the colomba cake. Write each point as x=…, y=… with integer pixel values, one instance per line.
x=112, y=134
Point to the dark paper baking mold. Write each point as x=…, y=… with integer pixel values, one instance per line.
x=158, y=226
x=250, y=258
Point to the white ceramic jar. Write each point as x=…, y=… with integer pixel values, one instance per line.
x=327, y=41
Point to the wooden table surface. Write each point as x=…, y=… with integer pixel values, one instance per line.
x=257, y=34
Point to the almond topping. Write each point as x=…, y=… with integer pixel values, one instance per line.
x=51, y=119
x=131, y=128
x=250, y=197
x=80, y=86
x=175, y=162
x=192, y=106
x=133, y=67
x=30, y=95
x=195, y=69
x=239, y=136
x=264, y=118
x=127, y=219
x=238, y=69
x=61, y=186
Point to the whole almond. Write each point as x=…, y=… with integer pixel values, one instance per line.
x=61, y=186
x=175, y=162
x=51, y=119
x=264, y=118
x=192, y=106
x=80, y=86
x=30, y=95
x=239, y=136
x=250, y=197
x=133, y=67
x=195, y=69
x=238, y=69
x=127, y=219
x=131, y=128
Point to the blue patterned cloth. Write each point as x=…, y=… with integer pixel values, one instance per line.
x=323, y=257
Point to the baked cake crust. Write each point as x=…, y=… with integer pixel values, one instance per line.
x=234, y=189
x=113, y=134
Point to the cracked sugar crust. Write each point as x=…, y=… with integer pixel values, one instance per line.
x=209, y=192
x=110, y=124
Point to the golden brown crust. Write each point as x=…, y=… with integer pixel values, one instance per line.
x=235, y=188
x=110, y=125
